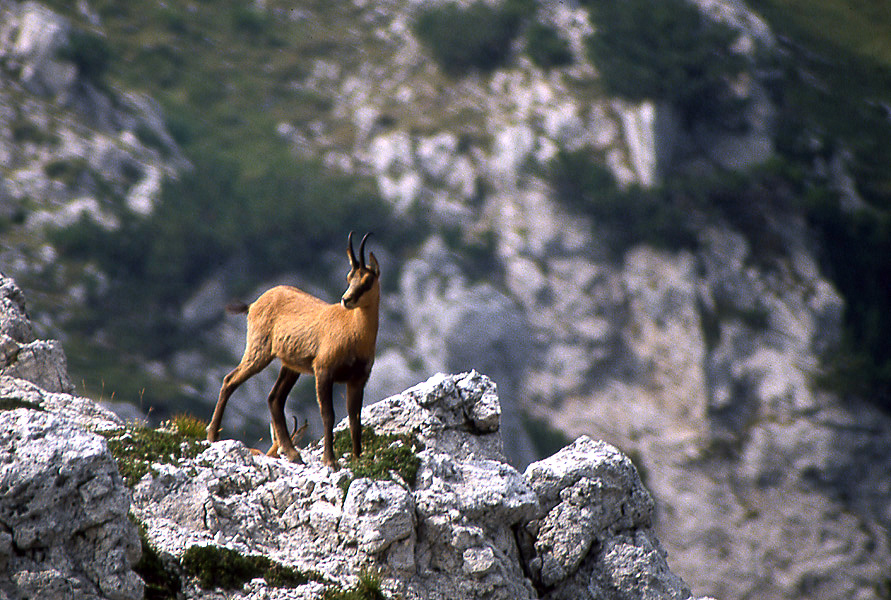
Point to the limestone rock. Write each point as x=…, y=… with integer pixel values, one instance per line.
x=64, y=530
x=594, y=486
x=14, y=321
x=39, y=361
x=454, y=534
x=39, y=36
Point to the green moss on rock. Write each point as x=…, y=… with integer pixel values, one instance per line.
x=135, y=447
x=381, y=455
x=228, y=569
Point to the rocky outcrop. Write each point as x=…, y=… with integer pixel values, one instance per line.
x=64, y=531
x=576, y=525
x=21, y=356
x=737, y=440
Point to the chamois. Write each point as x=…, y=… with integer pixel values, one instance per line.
x=333, y=342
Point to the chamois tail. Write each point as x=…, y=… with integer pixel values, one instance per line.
x=237, y=308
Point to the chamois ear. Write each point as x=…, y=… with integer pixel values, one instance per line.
x=372, y=264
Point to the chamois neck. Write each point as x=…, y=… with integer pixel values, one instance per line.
x=364, y=317
x=368, y=315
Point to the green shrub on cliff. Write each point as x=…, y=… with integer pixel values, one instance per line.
x=665, y=50
x=476, y=37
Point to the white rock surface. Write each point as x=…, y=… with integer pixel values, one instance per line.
x=64, y=531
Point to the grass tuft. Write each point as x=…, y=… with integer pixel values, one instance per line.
x=228, y=569
x=381, y=455
x=367, y=588
x=136, y=447
x=161, y=582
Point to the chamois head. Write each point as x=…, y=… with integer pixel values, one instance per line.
x=362, y=278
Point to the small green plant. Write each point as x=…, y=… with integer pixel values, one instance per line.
x=90, y=52
x=546, y=48
x=665, y=50
x=381, y=454
x=136, y=447
x=367, y=588
x=476, y=37
x=188, y=426
x=228, y=569
x=7, y=403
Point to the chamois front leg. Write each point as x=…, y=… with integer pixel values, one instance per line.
x=355, y=393
x=324, y=394
x=277, y=398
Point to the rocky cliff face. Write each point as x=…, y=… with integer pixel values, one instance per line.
x=575, y=525
x=64, y=531
x=700, y=363
x=71, y=148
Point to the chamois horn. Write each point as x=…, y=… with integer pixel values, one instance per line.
x=362, y=249
x=353, y=262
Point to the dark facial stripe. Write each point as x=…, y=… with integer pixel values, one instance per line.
x=360, y=289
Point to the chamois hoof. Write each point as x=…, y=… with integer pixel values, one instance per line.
x=294, y=457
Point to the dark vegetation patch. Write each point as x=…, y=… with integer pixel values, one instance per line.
x=9, y=403
x=833, y=86
x=381, y=455
x=546, y=47
x=162, y=582
x=367, y=588
x=91, y=54
x=224, y=568
x=137, y=447
x=478, y=36
x=624, y=218
x=546, y=440
x=665, y=50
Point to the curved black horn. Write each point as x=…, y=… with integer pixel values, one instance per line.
x=353, y=262
x=362, y=248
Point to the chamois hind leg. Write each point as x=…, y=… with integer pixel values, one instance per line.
x=244, y=371
x=355, y=392
x=277, y=398
x=324, y=393
x=283, y=384
x=278, y=389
